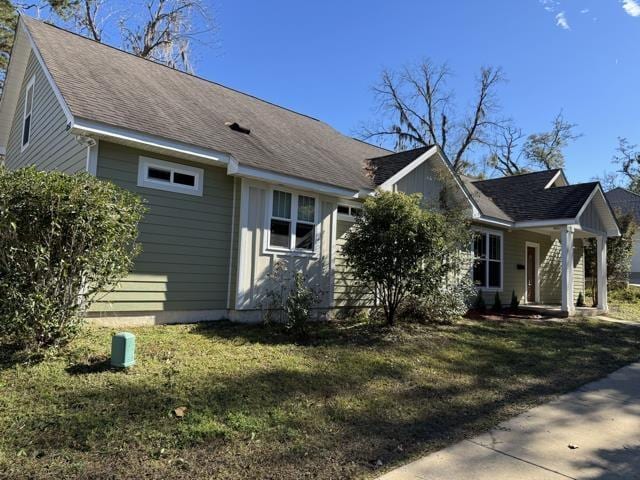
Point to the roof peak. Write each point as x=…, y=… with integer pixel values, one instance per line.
x=624, y=190
x=29, y=18
x=538, y=172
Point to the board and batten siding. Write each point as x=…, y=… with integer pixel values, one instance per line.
x=51, y=146
x=257, y=264
x=186, y=240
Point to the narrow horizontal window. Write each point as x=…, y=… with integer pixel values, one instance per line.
x=172, y=177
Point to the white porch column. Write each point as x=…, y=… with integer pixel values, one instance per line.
x=566, y=245
x=601, y=254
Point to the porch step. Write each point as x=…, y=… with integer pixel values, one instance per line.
x=556, y=310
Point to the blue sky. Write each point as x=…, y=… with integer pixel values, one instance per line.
x=581, y=57
x=321, y=58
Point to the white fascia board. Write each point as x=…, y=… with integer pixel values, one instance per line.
x=598, y=190
x=586, y=203
x=89, y=127
x=289, y=181
x=493, y=221
x=54, y=87
x=545, y=223
x=559, y=173
x=388, y=184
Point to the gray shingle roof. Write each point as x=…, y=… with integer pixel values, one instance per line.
x=103, y=84
x=624, y=201
x=383, y=168
x=524, y=198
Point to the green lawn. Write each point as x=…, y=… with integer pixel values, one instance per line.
x=260, y=406
x=625, y=304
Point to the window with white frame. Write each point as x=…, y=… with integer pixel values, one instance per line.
x=292, y=222
x=487, y=253
x=169, y=176
x=348, y=212
x=27, y=117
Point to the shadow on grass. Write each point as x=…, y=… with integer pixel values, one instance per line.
x=93, y=365
x=11, y=355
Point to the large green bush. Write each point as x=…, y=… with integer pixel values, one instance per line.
x=63, y=240
x=401, y=251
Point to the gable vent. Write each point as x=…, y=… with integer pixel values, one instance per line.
x=236, y=127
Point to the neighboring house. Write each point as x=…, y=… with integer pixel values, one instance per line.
x=626, y=202
x=234, y=184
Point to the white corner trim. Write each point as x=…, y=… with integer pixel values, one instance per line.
x=144, y=163
x=288, y=181
x=84, y=127
x=333, y=246
x=242, y=238
x=92, y=158
x=387, y=185
x=47, y=74
x=231, y=259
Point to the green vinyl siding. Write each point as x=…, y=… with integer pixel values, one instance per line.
x=51, y=146
x=347, y=292
x=186, y=240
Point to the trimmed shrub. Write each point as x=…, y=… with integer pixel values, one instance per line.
x=497, y=303
x=63, y=240
x=515, y=302
x=580, y=301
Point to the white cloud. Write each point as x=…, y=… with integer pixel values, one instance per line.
x=632, y=7
x=549, y=5
x=584, y=10
x=561, y=21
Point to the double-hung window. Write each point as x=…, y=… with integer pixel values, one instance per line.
x=292, y=222
x=487, y=265
x=27, y=117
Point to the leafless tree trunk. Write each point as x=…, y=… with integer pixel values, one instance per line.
x=418, y=111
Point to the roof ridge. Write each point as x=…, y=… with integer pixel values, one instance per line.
x=197, y=77
x=556, y=170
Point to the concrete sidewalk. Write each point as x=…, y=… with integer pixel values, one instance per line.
x=601, y=419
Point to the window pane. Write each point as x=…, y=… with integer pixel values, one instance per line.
x=280, y=236
x=29, y=100
x=479, y=248
x=26, y=130
x=306, y=209
x=479, y=273
x=158, y=174
x=281, y=204
x=304, y=236
x=184, y=179
x=343, y=209
x=494, y=274
x=494, y=247
x=356, y=212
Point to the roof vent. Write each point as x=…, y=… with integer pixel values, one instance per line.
x=236, y=127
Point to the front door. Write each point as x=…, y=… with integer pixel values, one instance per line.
x=531, y=274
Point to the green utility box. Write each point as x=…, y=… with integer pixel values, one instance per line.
x=123, y=346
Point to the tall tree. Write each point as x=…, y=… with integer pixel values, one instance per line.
x=506, y=152
x=628, y=157
x=8, y=21
x=546, y=149
x=418, y=110
x=166, y=32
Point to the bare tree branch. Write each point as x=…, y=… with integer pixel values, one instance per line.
x=546, y=149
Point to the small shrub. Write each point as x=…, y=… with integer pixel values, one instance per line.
x=580, y=301
x=479, y=303
x=497, y=303
x=515, y=302
x=289, y=300
x=63, y=240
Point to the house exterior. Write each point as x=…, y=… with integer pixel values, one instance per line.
x=626, y=202
x=235, y=184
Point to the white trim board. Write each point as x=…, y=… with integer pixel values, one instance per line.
x=145, y=163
